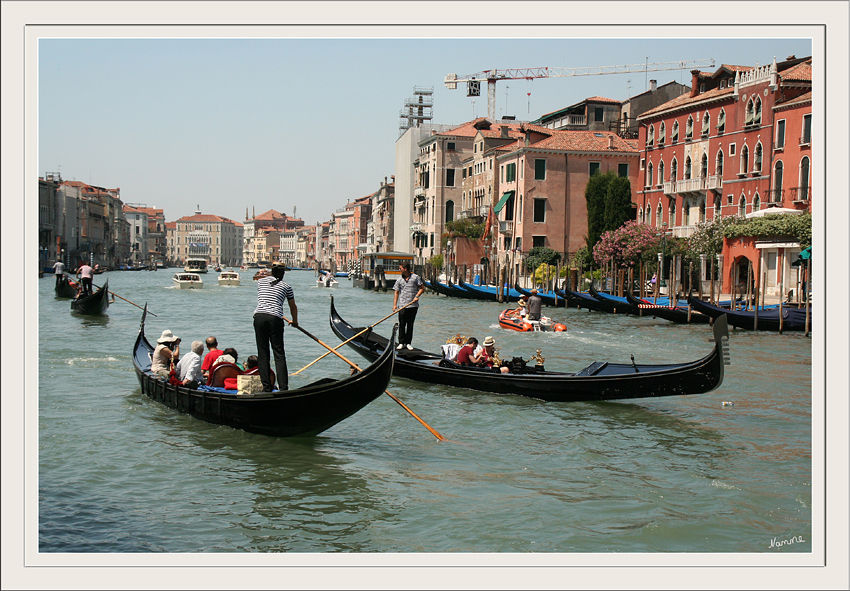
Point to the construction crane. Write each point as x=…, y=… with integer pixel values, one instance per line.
x=473, y=81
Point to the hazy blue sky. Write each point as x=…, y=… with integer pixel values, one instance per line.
x=307, y=123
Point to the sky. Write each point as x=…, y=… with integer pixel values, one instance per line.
x=304, y=126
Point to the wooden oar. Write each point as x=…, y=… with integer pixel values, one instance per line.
x=354, y=365
x=368, y=328
x=128, y=301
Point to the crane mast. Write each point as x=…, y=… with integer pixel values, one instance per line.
x=473, y=81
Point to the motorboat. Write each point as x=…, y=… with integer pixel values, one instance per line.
x=229, y=278
x=187, y=281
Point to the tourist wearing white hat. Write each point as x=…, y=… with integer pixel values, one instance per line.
x=487, y=356
x=167, y=352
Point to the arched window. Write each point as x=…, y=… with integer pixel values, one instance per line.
x=689, y=128
x=648, y=217
x=658, y=214
x=649, y=175
x=671, y=219
x=745, y=159
x=687, y=168
x=660, y=172
x=706, y=123
x=757, y=159
x=721, y=121
x=718, y=164
x=804, y=179
x=703, y=168
x=777, y=182
x=674, y=137
x=662, y=131
x=718, y=207
x=756, y=203
x=742, y=206
x=702, y=211
x=450, y=211
x=750, y=113
x=650, y=135
x=757, y=114
x=673, y=171
x=686, y=212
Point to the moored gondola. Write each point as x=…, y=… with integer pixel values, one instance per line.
x=678, y=315
x=579, y=299
x=550, y=299
x=93, y=304
x=793, y=318
x=614, y=304
x=65, y=288
x=598, y=381
x=302, y=412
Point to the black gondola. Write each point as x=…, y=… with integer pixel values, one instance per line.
x=792, y=318
x=94, y=304
x=678, y=314
x=580, y=299
x=302, y=412
x=597, y=381
x=613, y=304
x=64, y=288
x=550, y=299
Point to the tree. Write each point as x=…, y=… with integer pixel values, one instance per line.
x=609, y=204
x=540, y=255
x=626, y=246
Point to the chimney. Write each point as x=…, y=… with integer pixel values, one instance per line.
x=653, y=85
x=504, y=131
x=694, y=82
x=610, y=142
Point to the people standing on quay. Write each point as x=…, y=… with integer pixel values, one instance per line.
x=407, y=290
x=268, y=325
x=86, y=275
x=59, y=270
x=213, y=354
x=535, y=305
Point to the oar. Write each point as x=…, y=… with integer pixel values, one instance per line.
x=129, y=302
x=354, y=365
x=368, y=328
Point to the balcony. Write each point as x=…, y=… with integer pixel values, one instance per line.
x=774, y=195
x=682, y=231
x=695, y=185
x=506, y=228
x=483, y=211
x=466, y=213
x=801, y=194
x=419, y=191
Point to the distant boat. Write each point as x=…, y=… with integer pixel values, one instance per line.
x=229, y=278
x=195, y=265
x=188, y=281
x=326, y=280
x=93, y=304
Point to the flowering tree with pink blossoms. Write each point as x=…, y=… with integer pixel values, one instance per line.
x=625, y=246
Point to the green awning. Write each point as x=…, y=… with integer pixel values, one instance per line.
x=803, y=258
x=505, y=196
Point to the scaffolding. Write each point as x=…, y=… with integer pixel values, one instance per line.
x=416, y=109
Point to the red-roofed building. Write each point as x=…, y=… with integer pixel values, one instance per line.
x=255, y=229
x=738, y=143
x=214, y=238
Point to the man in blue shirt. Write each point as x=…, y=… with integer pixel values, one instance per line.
x=407, y=290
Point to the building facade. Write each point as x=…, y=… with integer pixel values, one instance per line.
x=216, y=239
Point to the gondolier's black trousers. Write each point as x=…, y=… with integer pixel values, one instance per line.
x=406, y=318
x=86, y=282
x=269, y=329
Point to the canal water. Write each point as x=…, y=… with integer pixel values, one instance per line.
x=119, y=473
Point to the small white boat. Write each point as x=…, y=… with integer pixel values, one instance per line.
x=195, y=265
x=229, y=278
x=187, y=281
x=326, y=280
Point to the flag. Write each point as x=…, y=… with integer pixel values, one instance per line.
x=491, y=218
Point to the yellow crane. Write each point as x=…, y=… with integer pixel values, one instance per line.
x=473, y=81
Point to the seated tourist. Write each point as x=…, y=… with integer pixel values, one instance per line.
x=466, y=355
x=189, y=368
x=489, y=353
x=229, y=356
x=166, y=353
x=251, y=363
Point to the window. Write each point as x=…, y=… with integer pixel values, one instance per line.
x=706, y=124
x=649, y=175
x=661, y=132
x=731, y=149
x=539, y=169
x=686, y=212
x=757, y=159
x=538, y=241
x=673, y=170
x=742, y=206
x=658, y=216
x=777, y=180
x=450, y=211
x=689, y=129
x=757, y=116
x=674, y=137
x=780, y=135
x=703, y=168
x=623, y=170
x=756, y=203
x=687, y=168
x=745, y=160
x=599, y=113
x=539, y=211
x=660, y=172
x=804, y=180
x=450, y=177
x=594, y=168
x=450, y=146
x=721, y=121
x=510, y=173
x=650, y=135
x=718, y=164
x=750, y=113
x=807, y=129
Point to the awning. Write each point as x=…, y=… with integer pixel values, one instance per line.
x=771, y=211
x=803, y=258
x=505, y=196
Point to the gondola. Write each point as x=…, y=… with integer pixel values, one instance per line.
x=768, y=319
x=93, y=304
x=550, y=299
x=487, y=293
x=613, y=304
x=678, y=314
x=579, y=299
x=449, y=290
x=65, y=288
x=597, y=381
x=302, y=412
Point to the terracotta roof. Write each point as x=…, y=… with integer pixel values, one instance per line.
x=271, y=215
x=602, y=99
x=800, y=72
x=687, y=99
x=581, y=141
x=803, y=98
x=204, y=217
x=171, y=225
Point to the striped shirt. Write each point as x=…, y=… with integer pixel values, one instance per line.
x=408, y=289
x=271, y=295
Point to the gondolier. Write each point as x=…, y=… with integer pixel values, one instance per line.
x=406, y=290
x=268, y=325
x=59, y=270
x=86, y=275
x=534, y=306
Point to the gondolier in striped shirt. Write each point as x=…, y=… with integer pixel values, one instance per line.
x=268, y=325
x=407, y=289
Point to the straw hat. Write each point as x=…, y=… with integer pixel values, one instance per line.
x=167, y=337
x=489, y=342
x=522, y=303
